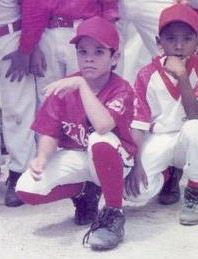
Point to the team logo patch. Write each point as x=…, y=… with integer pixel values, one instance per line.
x=76, y=132
x=117, y=105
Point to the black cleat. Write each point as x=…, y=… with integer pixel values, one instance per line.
x=87, y=204
x=11, y=199
x=170, y=192
x=107, y=231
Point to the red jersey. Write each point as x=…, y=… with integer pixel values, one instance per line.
x=37, y=13
x=64, y=117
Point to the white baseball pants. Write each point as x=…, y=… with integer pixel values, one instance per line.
x=179, y=149
x=70, y=166
x=18, y=109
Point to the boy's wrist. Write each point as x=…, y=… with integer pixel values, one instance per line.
x=182, y=76
x=82, y=83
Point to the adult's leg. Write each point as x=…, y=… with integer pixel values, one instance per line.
x=59, y=54
x=18, y=109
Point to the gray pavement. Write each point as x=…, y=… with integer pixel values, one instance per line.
x=48, y=232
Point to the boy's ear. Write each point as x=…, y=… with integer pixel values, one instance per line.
x=115, y=58
x=159, y=45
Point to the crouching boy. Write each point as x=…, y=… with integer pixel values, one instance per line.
x=88, y=117
x=166, y=112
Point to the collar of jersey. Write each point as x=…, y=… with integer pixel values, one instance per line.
x=172, y=88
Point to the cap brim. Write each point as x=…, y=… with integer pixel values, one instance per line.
x=77, y=38
x=177, y=20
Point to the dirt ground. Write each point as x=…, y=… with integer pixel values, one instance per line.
x=48, y=232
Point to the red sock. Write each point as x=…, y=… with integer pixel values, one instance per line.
x=192, y=184
x=109, y=168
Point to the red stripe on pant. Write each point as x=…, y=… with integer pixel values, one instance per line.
x=58, y=193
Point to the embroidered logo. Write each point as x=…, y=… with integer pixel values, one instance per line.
x=76, y=132
x=117, y=105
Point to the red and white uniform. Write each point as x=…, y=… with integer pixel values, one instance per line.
x=64, y=118
x=171, y=139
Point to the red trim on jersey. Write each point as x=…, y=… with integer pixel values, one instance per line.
x=174, y=90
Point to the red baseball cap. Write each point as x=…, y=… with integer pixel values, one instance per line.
x=179, y=13
x=100, y=30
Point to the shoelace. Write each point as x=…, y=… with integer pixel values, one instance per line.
x=191, y=199
x=105, y=219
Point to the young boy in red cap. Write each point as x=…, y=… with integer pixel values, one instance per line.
x=90, y=122
x=165, y=121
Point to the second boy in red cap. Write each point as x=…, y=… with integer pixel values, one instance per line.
x=90, y=122
x=166, y=109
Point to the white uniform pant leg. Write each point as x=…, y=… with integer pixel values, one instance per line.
x=59, y=54
x=186, y=150
x=18, y=109
x=65, y=167
x=140, y=43
x=157, y=155
x=112, y=140
x=69, y=166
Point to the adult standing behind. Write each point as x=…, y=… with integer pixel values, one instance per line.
x=18, y=99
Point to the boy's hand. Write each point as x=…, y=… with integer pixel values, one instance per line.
x=37, y=166
x=65, y=84
x=176, y=66
x=19, y=66
x=133, y=180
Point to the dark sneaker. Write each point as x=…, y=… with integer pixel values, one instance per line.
x=11, y=199
x=189, y=211
x=107, y=231
x=87, y=204
x=170, y=192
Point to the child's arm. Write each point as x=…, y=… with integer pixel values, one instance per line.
x=98, y=115
x=137, y=174
x=47, y=146
x=177, y=68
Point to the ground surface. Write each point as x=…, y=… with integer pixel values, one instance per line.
x=48, y=232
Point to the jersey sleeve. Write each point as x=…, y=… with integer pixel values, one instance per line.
x=47, y=121
x=35, y=17
x=142, y=113
x=120, y=107
x=110, y=9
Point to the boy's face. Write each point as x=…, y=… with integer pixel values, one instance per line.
x=178, y=39
x=94, y=59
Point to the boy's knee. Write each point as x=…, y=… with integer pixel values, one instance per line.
x=108, y=138
x=190, y=129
